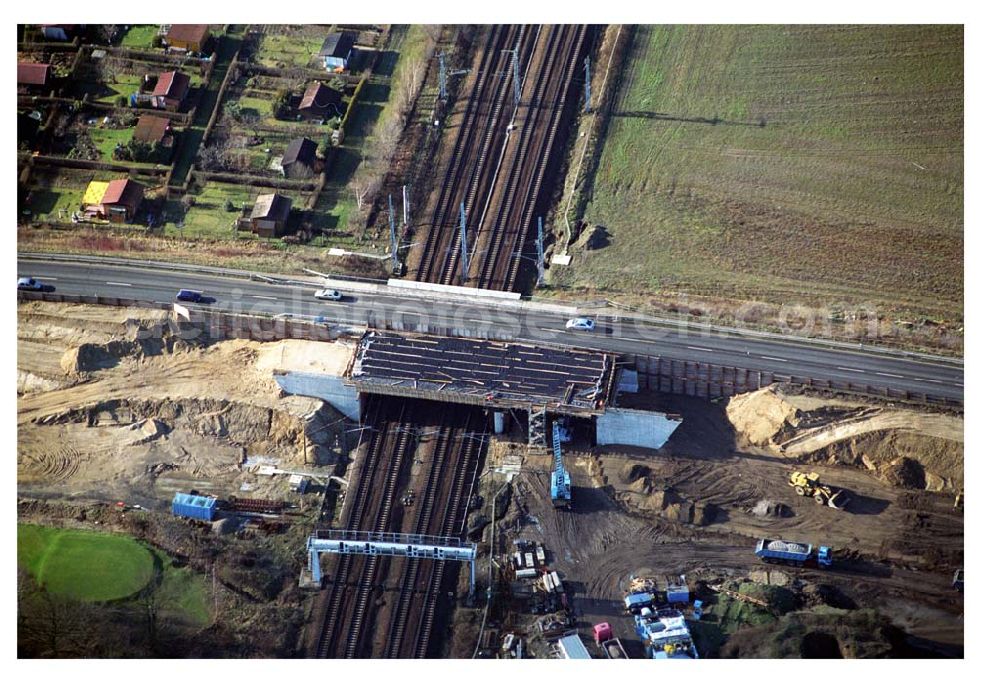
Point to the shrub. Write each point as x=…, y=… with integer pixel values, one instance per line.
x=229, y=206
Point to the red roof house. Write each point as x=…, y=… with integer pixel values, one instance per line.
x=32, y=74
x=171, y=88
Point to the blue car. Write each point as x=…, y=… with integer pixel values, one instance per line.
x=189, y=295
x=29, y=283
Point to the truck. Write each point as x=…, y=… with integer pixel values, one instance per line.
x=664, y=634
x=612, y=648
x=605, y=639
x=646, y=592
x=776, y=551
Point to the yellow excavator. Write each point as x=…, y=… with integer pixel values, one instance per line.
x=809, y=485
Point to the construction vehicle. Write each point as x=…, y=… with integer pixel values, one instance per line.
x=645, y=592
x=612, y=648
x=605, y=639
x=560, y=485
x=664, y=634
x=775, y=551
x=808, y=484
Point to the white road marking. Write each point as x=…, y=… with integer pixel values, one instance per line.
x=39, y=277
x=773, y=359
x=859, y=371
x=623, y=338
x=706, y=350
x=472, y=319
x=266, y=298
x=119, y=284
x=882, y=373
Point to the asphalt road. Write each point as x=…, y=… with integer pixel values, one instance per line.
x=918, y=374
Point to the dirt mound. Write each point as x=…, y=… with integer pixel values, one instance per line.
x=768, y=508
x=89, y=357
x=595, y=237
x=904, y=472
x=699, y=513
x=813, y=430
x=759, y=416
x=823, y=594
x=831, y=633
x=634, y=472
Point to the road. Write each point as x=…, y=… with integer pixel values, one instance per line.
x=781, y=355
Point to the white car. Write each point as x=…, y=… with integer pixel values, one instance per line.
x=29, y=283
x=581, y=324
x=329, y=295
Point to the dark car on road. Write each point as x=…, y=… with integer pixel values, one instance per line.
x=190, y=295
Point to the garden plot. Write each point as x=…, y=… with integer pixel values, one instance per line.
x=55, y=193
x=284, y=46
x=216, y=206
x=115, y=77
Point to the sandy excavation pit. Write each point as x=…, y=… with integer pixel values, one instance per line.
x=113, y=406
x=698, y=506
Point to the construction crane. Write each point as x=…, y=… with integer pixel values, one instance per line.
x=809, y=485
x=560, y=476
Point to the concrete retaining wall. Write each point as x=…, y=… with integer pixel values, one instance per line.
x=635, y=428
x=330, y=389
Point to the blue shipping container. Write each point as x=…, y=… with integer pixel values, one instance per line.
x=195, y=507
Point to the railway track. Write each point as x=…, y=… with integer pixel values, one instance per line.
x=354, y=624
x=474, y=146
x=541, y=121
x=499, y=165
x=374, y=494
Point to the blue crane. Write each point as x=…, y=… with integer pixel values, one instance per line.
x=560, y=476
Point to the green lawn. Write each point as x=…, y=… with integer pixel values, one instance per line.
x=107, y=139
x=85, y=565
x=46, y=202
x=125, y=86
x=818, y=164
x=140, y=36
x=99, y=567
x=208, y=217
x=289, y=50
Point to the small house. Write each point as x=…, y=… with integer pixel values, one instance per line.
x=269, y=217
x=117, y=201
x=319, y=102
x=336, y=51
x=33, y=76
x=153, y=130
x=187, y=37
x=299, y=161
x=171, y=88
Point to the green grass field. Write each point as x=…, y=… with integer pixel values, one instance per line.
x=99, y=567
x=84, y=565
x=814, y=164
x=208, y=217
x=290, y=50
x=140, y=36
x=107, y=139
